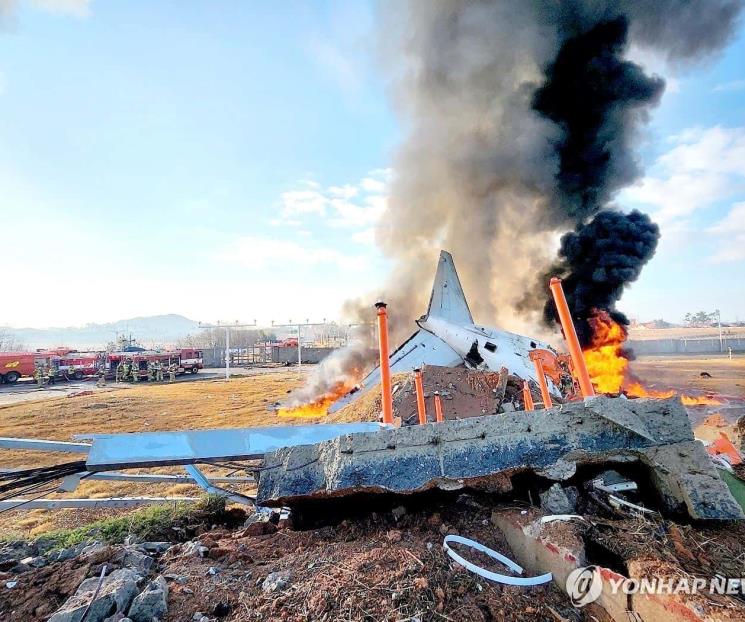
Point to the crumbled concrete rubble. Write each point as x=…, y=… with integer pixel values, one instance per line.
x=483, y=452
x=559, y=547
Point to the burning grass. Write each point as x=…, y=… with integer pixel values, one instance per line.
x=608, y=364
x=319, y=406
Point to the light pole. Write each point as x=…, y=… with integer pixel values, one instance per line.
x=719, y=324
x=227, y=328
x=298, y=327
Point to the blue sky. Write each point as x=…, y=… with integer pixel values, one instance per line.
x=228, y=160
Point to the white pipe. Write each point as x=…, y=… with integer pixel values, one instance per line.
x=493, y=576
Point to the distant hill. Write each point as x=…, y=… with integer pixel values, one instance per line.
x=152, y=331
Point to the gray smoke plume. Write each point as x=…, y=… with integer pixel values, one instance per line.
x=520, y=118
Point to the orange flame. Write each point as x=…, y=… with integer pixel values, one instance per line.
x=320, y=406
x=608, y=364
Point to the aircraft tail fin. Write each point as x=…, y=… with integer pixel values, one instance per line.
x=447, y=300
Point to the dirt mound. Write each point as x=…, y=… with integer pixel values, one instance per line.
x=464, y=393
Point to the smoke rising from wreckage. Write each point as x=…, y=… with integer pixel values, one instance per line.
x=521, y=119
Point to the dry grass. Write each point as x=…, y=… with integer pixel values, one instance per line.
x=643, y=334
x=243, y=402
x=683, y=373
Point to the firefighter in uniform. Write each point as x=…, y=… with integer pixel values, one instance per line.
x=38, y=375
x=158, y=371
x=171, y=373
x=101, y=382
x=51, y=374
x=135, y=371
x=70, y=374
x=150, y=371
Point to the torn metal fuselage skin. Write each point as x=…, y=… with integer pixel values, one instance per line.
x=478, y=451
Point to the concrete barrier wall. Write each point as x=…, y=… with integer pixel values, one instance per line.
x=309, y=355
x=215, y=357
x=688, y=346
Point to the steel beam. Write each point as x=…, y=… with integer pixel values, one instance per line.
x=204, y=483
x=34, y=444
x=112, y=502
x=71, y=482
x=148, y=449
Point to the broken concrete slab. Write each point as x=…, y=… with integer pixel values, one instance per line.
x=482, y=451
x=558, y=547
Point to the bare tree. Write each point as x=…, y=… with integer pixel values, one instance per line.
x=8, y=342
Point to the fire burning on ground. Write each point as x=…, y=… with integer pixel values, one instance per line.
x=608, y=363
x=319, y=406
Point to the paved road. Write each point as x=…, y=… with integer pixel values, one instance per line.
x=27, y=390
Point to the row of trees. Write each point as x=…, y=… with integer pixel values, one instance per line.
x=8, y=343
x=701, y=318
x=330, y=335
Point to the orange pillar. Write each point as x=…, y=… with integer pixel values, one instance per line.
x=438, y=407
x=420, y=396
x=545, y=395
x=527, y=397
x=385, y=365
x=570, y=334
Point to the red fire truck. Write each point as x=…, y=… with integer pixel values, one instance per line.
x=75, y=365
x=186, y=360
x=15, y=365
x=191, y=360
x=72, y=364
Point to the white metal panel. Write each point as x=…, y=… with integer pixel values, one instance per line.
x=188, y=447
x=422, y=348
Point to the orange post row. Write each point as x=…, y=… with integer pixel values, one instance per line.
x=438, y=408
x=527, y=397
x=545, y=395
x=570, y=334
x=385, y=366
x=420, y=407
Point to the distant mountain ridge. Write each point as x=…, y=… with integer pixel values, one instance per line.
x=150, y=331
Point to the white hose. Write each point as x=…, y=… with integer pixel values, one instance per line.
x=493, y=576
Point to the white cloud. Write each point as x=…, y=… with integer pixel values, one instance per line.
x=734, y=85
x=258, y=253
x=703, y=167
x=349, y=206
x=303, y=202
x=77, y=8
x=730, y=231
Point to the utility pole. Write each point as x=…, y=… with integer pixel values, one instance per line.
x=719, y=323
x=227, y=328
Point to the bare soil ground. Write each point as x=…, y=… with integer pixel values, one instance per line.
x=684, y=373
x=391, y=566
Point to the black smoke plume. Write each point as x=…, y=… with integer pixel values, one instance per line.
x=598, y=99
x=597, y=261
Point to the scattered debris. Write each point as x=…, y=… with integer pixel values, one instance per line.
x=557, y=500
